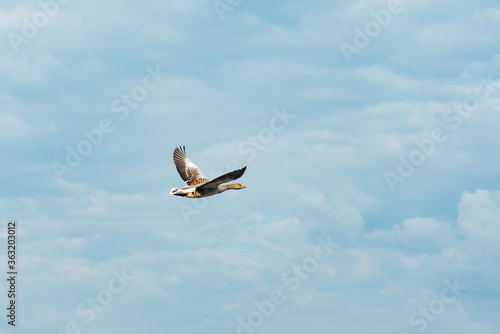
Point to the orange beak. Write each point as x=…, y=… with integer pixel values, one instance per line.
x=242, y=186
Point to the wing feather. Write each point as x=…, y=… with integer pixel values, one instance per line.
x=188, y=171
x=235, y=174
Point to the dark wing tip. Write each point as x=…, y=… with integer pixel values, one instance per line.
x=239, y=172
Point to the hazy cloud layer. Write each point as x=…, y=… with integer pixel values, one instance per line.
x=389, y=152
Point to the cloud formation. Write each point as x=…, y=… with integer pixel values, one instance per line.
x=268, y=87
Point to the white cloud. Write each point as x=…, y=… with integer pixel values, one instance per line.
x=430, y=313
x=12, y=128
x=31, y=67
x=479, y=218
x=417, y=231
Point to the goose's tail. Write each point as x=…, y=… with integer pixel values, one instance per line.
x=173, y=191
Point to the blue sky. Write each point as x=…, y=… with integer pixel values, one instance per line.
x=372, y=202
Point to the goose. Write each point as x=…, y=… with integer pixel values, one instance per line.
x=198, y=184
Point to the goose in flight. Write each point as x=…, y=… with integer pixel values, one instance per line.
x=198, y=184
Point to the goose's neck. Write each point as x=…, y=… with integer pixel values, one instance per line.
x=224, y=187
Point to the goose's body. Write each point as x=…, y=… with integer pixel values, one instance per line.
x=198, y=184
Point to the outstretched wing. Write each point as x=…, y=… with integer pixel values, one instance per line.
x=188, y=171
x=235, y=174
